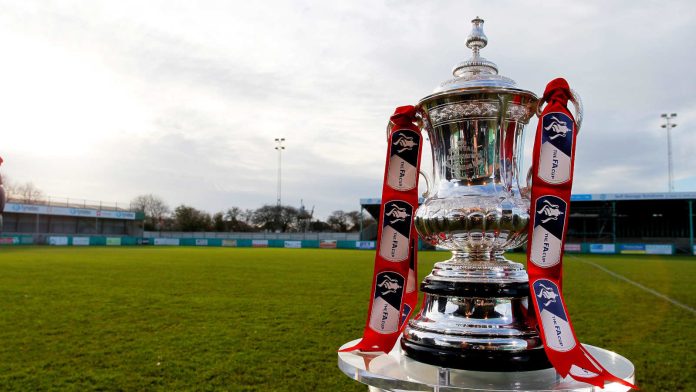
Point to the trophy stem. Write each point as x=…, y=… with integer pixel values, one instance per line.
x=478, y=265
x=497, y=255
x=459, y=257
x=478, y=255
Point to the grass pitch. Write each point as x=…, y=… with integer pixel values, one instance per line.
x=271, y=319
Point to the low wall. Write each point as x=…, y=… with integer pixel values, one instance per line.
x=324, y=243
x=621, y=248
x=64, y=240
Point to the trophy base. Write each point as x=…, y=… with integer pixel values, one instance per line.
x=476, y=317
x=478, y=360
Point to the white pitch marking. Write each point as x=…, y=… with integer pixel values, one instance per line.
x=640, y=286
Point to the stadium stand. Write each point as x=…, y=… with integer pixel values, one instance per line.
x=47, y=217
x=620, y=222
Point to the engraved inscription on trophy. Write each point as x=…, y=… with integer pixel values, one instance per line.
x=466, y=161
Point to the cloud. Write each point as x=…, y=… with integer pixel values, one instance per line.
x=184, y=101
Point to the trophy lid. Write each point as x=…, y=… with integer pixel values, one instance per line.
x=477, y=71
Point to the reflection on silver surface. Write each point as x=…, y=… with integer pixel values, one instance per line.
x=475, y=206
x=396, y=372
x=473, y=324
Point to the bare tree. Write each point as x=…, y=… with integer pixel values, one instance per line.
x=154, y=208
x=238, y=220
x=23, y=193
x=355, y=218
x=276, y=218
x=339, y=221
x=247, y=216
x=233, y=214
x=342, y=221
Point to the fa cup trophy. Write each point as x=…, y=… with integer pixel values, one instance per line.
x=481, y=313
x=476, y=303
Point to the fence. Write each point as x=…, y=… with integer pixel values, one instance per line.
x=324, y=241
x=68, y=202
x=63, y=240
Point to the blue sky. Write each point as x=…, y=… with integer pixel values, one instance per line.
x=108, y=100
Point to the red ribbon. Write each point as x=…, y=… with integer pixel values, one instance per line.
x=552, y=180
x=394, y=287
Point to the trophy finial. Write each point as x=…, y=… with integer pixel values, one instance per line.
x=476, y=65
x=477, y=40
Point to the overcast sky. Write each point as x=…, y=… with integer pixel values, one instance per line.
x=106, y=100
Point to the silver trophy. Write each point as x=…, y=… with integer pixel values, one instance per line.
x=476, y=303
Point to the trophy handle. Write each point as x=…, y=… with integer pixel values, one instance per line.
x=525, y=192
x=426, y=194
x=577, y=103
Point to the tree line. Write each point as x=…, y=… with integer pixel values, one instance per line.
x=268, y=218
x=21, y=192
x=160, y=217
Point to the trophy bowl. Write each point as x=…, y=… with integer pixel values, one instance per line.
x=476, y=304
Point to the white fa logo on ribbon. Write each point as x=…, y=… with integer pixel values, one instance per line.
x=406, y=142
x=558, y=127
x=399, y=214
x=391, y=285
x=554, y=162
x=550, y=210
x=548, y=294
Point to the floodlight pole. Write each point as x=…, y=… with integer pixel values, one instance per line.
x=669, y=125
x=280, y=148
x=692, y=250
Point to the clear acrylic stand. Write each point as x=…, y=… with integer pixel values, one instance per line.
x=397, y=372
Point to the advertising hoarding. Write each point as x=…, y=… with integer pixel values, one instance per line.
x=292, y=244
x=603, y=248
x=167, y=241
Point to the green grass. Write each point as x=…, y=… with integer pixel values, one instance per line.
x=657, y=336
x=271, y=319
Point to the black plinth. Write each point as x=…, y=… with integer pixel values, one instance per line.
x=480, y=290
x=478, y=360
